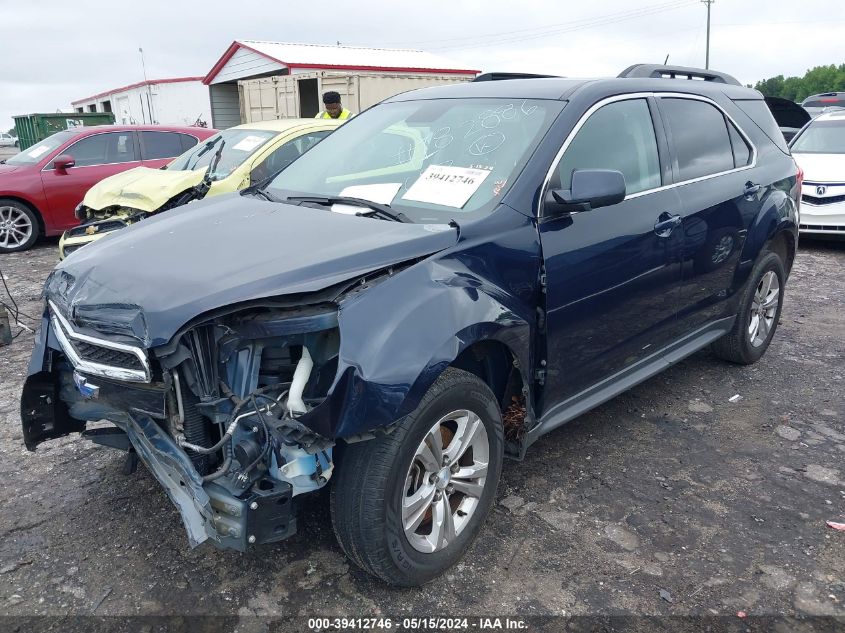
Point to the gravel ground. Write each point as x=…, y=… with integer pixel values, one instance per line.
x=676, y=498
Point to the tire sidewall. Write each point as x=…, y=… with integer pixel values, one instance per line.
x=33, y=218
x=769, y=262
x=419, y=566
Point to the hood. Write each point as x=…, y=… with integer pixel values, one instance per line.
x=8, y=169
x=141, y=188
x=787, y=113
x=821, y=167
x=228, y=249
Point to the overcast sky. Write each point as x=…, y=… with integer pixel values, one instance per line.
x=54, y=52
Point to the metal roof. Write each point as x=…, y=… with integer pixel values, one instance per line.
x=320, y=57
x=140, y=84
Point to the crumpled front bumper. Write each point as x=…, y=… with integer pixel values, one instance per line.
x=58, y=399
x=209, y=510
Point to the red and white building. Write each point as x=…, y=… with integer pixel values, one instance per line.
x=373, y=74
x=175, y=101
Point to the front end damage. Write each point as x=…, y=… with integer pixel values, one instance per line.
x=219, y=415
x=125, y=210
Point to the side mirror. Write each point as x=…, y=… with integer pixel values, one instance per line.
x=591, y=189
x=63, y=162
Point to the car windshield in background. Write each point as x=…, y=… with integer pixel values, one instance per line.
x=821, y=137
x=239, y=144
x=34, y=154
x=431, y=160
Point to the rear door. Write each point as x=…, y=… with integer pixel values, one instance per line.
x=97, y=156
x=712, y=165
x=160, y=147
x=612, y=273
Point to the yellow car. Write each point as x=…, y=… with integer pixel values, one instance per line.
x=231, y=160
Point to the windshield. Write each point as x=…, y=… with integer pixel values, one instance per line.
x=239, y=144
x=821, y=137
x=37, y=152
x=430, y=160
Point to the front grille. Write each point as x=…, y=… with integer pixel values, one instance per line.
x=105, y=356
x=822, y=201
x=822, y=227
x=99, y=357
x=102, y=227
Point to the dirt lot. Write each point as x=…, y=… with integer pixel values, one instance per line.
x=675, y=498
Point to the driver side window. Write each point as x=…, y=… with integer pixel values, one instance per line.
x=617, y=136
x=284, y=155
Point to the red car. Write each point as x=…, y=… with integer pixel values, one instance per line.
x=41, y=186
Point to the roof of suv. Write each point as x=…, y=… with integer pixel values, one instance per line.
x=554, y=88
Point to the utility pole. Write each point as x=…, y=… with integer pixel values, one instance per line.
x=149, y=96
x=707, y=54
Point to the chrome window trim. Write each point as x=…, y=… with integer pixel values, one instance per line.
x=644, y=95
x=64, y=331
x=136, y=160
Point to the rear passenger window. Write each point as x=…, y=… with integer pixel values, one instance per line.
x=700, y=137
x=618, y=136
x=742, y=153
x=161, y=144
x=188, y=141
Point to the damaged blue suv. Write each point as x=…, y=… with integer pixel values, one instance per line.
x=453, y=257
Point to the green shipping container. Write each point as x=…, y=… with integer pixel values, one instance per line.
x=34, y=128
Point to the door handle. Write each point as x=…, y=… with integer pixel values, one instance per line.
x=666, y=223
x=751, y=188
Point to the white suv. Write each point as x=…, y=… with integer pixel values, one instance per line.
x=819, y=150
x=8, y=140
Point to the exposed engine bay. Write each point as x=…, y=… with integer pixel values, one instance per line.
x=239, y=385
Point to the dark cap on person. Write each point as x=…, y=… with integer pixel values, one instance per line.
x=331, y=97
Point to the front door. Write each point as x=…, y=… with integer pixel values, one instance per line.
x=96, y=157
x=612, y=273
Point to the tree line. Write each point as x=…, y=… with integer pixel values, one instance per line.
x=816, y=80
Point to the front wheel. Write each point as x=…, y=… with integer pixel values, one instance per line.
x=407, y=505
x=758, y=315
x=18, y=226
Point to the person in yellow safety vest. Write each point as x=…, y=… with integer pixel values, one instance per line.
x=334, y=109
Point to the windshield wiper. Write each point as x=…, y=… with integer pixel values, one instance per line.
x=203, y=151
x=377, y=210
x=255, y=190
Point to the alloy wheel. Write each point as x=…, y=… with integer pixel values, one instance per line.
x=445, y=481
x=764, y=307
x=15, y=227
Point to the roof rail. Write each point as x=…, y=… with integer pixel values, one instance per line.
x=659, y=71
x=503, y=76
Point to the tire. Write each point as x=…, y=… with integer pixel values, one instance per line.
x=19, y=226
x=745, y=344
x=376, y=478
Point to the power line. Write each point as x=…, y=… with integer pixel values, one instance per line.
x=609, y=20
x=547, y=30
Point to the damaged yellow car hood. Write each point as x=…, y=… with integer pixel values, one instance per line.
x=141, y=188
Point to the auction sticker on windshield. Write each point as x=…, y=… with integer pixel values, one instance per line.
x=446, y=185
x=249, y=143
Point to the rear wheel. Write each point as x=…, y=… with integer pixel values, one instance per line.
x=758, y=316
x=18, y=226
x=407, y=505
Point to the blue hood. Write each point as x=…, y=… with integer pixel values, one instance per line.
x=229, y=249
